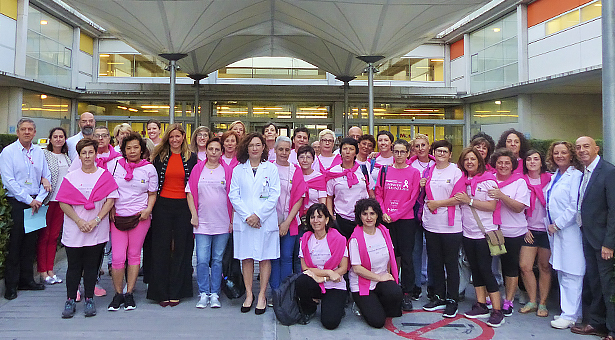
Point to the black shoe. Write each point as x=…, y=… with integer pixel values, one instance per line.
x=406, y=302
x=435, y=304
x=416, y=293
x=129, y=302
x=31, y=286
x=305, y=318
x=450, y=311
x=117, y=302
x=430, y=293
x=89, y=308
x=10, y=293
x=69, y=309
x=245, y=309
x=259, y=311
x=508, y=311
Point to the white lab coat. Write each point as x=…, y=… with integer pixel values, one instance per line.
x=255, y=194
x=567, y=243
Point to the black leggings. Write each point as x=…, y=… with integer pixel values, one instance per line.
x=82, y=261
x=382, y=302
x=332, y=301
x=510, y=260
x=402, y=236
x=443, y=251
x=479, y=257
x=344, y=226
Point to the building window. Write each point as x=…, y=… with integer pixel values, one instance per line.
x=46, y=110
x=403, y=111
x=133, y=65
x=575, y=17
x=501, y=111
x=494, y=55
x=49, y=49
x=409, y=69
x=229, y=109
x=272, y=68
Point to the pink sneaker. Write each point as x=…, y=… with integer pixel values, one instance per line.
x=99, y=291
x=78, y=296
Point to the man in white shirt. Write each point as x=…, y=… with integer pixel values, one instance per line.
x=86, y=124
x=22, y=167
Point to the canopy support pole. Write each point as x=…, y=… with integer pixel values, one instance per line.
x=172, y=58
x=370, y=60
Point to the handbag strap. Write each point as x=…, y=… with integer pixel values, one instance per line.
x=478, y=221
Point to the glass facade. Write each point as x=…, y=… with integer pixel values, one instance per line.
x=575, y=17
x=409, y=69
x=272, y=67
x=493, y=51
x=501, y=111
x=49, y=49
x=404, y=111
x=133, y=65
x=46, y=110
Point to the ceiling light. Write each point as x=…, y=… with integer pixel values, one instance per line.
x=43, y=96
x=496, y=30
x=44, y=22
x=498, y=102
x=104, y=56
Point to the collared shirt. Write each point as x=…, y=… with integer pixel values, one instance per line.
x=589, y=171
x=21, y=171
x=71, y=143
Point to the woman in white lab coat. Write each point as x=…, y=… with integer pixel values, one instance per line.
x=254, y=193
x=564, y=231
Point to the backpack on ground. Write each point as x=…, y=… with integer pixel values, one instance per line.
x=285, y=302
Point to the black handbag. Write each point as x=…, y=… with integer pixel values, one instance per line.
x=232, y=278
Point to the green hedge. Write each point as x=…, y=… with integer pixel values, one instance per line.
x=542, y=145
x=6, y=139
x=5, y=210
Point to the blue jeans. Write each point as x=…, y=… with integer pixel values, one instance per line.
x=283, y=267
x=209, y=247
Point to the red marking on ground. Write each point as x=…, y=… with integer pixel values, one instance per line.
x=417, y=334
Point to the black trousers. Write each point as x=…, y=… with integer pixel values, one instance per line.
x=510, y=260
x=21, y=249
x=83, y=261
x=599, y=282
x=443, y=252
x=382, y=302
x=332, y=301
x=344, y=226
x=402, y=236
x=479, y=257
x=170, y=269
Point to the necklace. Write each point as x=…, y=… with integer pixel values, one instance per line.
x=423, y=166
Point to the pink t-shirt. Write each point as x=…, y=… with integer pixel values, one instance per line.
x=133, y=194
x=378, y=258
x=271, y=155
x=292, y=158
x=441, y=185
x=381, y=161
x=514, y=224
x=213, y=209
x=400, y=187
x=202, y=155
x=470, y=227
x=537, y=221
x=313, y=194
x=71, y=235
x=346, y=198
x=283, y=206
x=326, y=162
x=420, y=166
x=76, y=164
x=320, y=254
x=227, y=160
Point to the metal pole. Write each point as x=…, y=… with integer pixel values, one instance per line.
x=346, y=113
x=370, y=97
x=608, y=80
x=173, y=66
x=196, y=103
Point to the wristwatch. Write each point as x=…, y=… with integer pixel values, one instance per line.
x=97, y=219
x=471, y=202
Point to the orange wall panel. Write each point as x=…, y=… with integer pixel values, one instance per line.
x=543, y=10
x=457, y=49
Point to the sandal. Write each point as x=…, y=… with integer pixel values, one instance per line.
x=528, y=308
x=542, y=311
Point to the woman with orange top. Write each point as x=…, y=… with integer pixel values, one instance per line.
x=170, y=277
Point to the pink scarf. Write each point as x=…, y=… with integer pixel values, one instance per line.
x=101, y=162
x=336, y=161
x=337, y=246
x=415, y=157
x=130, y=167
x=297, y=190
x=497, y=214
x=317, y=183
x=69, y=194
x=233, y=163
x=459, y=186
x=536, y=191
x=365, y=260
x=351, y=177
x=193, y=183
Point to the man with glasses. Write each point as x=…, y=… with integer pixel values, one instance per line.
x=86, y=124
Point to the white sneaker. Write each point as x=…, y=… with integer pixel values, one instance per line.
x=561, y=323
x=214, y=301
x=203, y=302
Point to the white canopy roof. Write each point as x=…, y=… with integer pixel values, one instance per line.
x=326, y=33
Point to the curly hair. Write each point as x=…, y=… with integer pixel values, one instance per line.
x=483, y=141
x=364, y=204
x=574, y=160
x=319, y=208
x=525, y=145
x=142, y=143
x=504, y=152
x=242, y=150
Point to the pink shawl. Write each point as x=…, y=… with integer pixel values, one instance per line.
x=337, y=246
x=317, y=183
x=536, y=191
x=364, y=255
x=497, y=214
x=297, y=190
x=69, y=194
x=459, y=186
x=351, y=177
x=336, y=161
x=193, y=183
x=101, y=162
x=130, y=167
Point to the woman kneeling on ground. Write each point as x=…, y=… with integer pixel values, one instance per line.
x=324, y=261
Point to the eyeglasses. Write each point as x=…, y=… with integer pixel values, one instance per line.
x=101, y=135
x=441, y=151
x=327, y=141
x=202, y=135
x=305, y=157
x=400, y=152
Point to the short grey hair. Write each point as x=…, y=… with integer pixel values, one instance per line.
x=25, y=120
x=281, y=139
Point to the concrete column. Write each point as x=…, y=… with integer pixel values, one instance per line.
x=608, y=80
x=522, y=54
x=95, y=61
x=74, y=117
x=447, y=65
x=74, y=64
x=524, y=110
x=370, y=60
x=11, y=99
x=467, y=118
x=468, y=59
x=22, y=37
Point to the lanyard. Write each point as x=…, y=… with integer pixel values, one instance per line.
x=557, y=177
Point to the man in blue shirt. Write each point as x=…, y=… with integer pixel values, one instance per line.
x=22, y=167
x=86, y=124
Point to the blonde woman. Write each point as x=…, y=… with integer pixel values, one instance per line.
x=198, y=142
x=119, y=133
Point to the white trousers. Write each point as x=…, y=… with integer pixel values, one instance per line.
x=570, y=290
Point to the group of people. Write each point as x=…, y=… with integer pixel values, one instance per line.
x=353, y=221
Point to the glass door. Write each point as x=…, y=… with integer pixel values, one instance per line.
x=452, y=133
